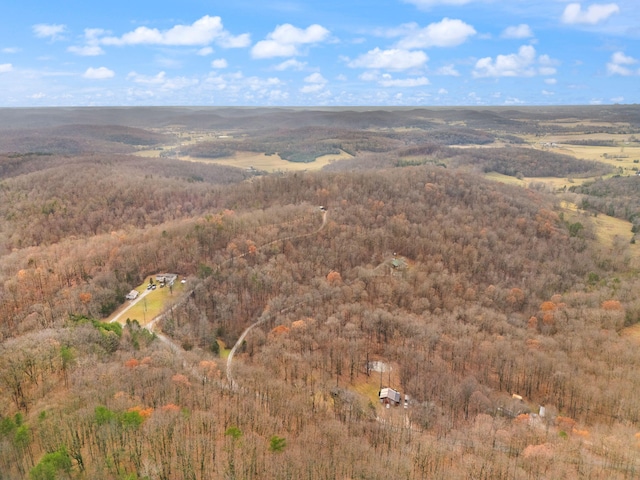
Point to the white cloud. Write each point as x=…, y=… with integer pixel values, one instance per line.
x=315, y=78
x=86, y=51
x=162, y=82
x=278, y=95
x=448, y=70
x=237, y=41
x=91, y=47
x=315, y=83
x=146, y=80
x=443, y=91
x=313, y=88
x=547, y=65
x=53, y=32
x=518, y=31
x=11, y=50
x=369, y=76
x=514, y=101
x=521, y=64
x=446, y=33
x=550, y=81
x=201, y=32
x=547, y=93
x=178, y=83
x=92, y=35
x=271, y=48
x=596, y=13
x=291, y=64
x=620, y=63
x=393, y=59
x=617, y=99
x=219, y=63
x=99, y=73
x=5, y=67
x=203, y=52
x=286, y=40
x=387, y=81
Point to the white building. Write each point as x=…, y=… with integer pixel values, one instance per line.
x=389, y=395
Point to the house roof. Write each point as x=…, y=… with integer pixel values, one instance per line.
x=390, y=393
x=168, y=277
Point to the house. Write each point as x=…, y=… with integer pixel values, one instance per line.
x=389, y=396
x=167, y=278
x=132, y=295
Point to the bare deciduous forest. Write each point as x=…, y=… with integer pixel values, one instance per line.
x=498, y=311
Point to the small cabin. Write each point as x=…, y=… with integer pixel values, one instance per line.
x=132, y=295
x=389, y=396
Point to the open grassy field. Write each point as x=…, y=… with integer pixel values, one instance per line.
x=622, y=156
x=269, y=163
x=155, y=153
x=149, y=307
x=509, y=180
x=224, y=351
x=622, y=153
x=612, y=233
x=552, y=183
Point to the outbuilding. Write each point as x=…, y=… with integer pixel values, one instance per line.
x=389, y=396
x=166, y=278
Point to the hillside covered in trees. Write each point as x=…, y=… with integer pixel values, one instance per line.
x=496, y=310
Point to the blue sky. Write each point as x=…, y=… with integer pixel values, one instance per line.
x=333, y=53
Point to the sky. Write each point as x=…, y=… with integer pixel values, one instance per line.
x=319, y=53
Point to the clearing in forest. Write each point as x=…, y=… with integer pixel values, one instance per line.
x=612, y=233
x=148, y=305
x=269, y=163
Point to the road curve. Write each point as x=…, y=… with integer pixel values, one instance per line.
x=264, y=317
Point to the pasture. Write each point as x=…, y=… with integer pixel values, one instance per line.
x=269, y=163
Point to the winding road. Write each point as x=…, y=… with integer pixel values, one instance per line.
x=176, y=348
x=264, y=317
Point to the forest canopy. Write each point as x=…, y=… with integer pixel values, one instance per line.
x=500, y=313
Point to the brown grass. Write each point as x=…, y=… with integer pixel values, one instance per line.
x=269, y=163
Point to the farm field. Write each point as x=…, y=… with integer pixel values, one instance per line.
x=269, y=163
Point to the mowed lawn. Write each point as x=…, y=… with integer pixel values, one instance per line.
x=149, y=307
